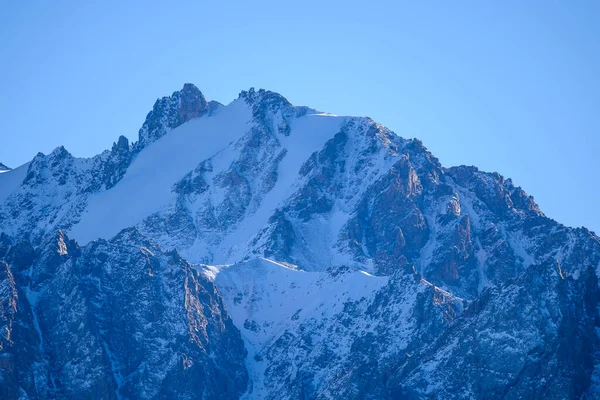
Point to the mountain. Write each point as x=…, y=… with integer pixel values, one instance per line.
x=4, y=168
x=261, y=250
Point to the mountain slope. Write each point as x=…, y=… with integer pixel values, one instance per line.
x=117, y=319
x=348, y=263
x=315, y=334
x=534, y=337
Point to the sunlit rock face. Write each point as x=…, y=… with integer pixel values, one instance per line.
x=262, y=250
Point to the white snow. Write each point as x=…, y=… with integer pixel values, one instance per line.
x=481, y=256
x=273, y=292
x=33, y=299
x=519, y=244
x=147, y=186
x=11, y=180
x=119, y=380
x=308, y=135
x=265, y=298
x=467, y=200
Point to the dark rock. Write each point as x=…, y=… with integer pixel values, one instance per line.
x=117, y=318
x=170, y=112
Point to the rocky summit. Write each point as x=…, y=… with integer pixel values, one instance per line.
x=261, y=250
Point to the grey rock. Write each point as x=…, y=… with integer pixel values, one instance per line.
x=118, y=319
x=170, y=112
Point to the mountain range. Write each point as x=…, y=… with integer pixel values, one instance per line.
x=261, y=250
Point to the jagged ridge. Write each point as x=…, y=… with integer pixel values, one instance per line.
x=457, y=253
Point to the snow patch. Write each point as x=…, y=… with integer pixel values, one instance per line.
x=11, y=180
x=265, y=299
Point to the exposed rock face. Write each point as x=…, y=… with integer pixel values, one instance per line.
x=4, y=168
x=542, y=324
x=114, y=319
x=467, y=289
x=170, y=112
x=116, y=163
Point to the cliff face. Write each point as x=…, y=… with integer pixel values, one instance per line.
x=114, y=319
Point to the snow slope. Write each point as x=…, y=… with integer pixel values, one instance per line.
x=265, y=299
x=308, y=135
x=311, y=327
x=147, y=185
x=276, y=293
x=11, y=180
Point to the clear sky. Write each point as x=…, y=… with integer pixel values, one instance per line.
x=509, y=86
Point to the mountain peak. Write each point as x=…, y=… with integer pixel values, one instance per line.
x=304, y=249
x=252, y=96
x=191, y=88
x=4, y=168
x=272, y=109
x=192, y=103
x=169, y=112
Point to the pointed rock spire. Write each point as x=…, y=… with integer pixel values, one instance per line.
x=170, y=112
x=192, y=103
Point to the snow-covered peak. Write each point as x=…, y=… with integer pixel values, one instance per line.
x=4, y=168
x=262, y=177
x=147, y=186
x=341, y=251
x=170, y=112
x=266, y=97
x=273, y=110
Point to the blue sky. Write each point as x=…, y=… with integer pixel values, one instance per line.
x=509, y=86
